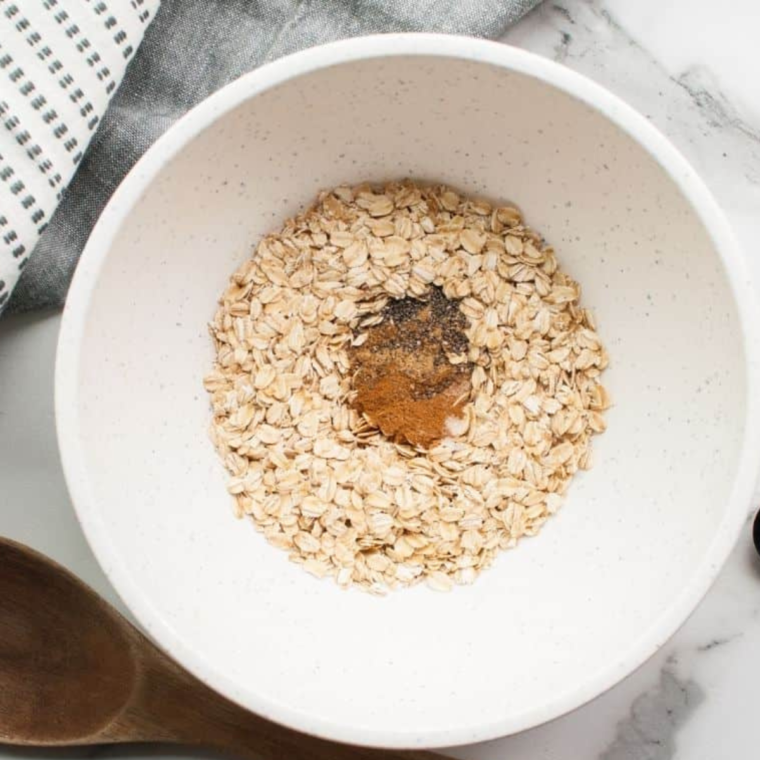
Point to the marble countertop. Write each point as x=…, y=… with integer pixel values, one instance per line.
x=687, y=65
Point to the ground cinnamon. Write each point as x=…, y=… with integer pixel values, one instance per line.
x=406, y=384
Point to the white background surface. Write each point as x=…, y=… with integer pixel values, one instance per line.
x=688, y=65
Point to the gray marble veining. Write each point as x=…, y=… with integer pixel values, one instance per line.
x=648, y=732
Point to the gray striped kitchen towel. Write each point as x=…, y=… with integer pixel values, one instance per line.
x=61, y=62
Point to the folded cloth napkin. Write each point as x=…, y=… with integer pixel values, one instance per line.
x=61, y=61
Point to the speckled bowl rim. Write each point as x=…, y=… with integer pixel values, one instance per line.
x=249, y=86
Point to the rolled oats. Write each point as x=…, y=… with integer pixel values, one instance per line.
x=318, y=478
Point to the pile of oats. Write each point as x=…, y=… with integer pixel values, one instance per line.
x=322, y=482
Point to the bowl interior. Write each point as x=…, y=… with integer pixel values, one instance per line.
x=554, y=621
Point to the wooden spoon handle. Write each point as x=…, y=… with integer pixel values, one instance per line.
x=173, y=706
x=246, y=736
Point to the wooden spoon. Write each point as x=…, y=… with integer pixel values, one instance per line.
x=74, y=672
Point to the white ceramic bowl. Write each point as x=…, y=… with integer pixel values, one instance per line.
x=564, y=616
